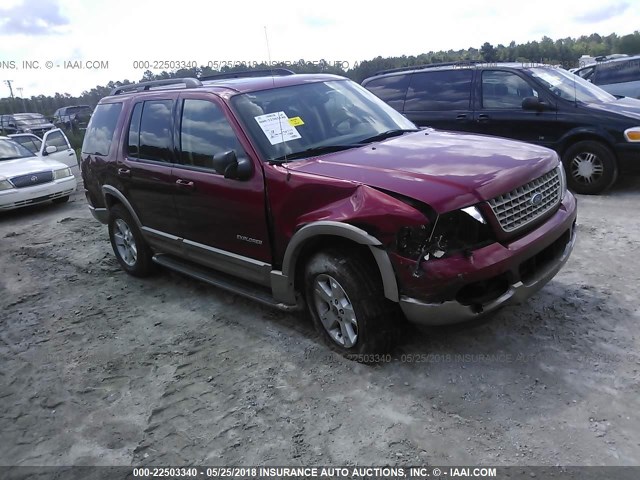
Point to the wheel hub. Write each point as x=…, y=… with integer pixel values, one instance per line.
x=125, y=242
x=586, y=168
x=336, y=311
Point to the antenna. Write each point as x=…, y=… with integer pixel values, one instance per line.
x=273, y=79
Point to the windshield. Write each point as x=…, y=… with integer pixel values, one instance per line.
x=10, y=150
x=315, y=118
x=570, y=86
x=79, y=109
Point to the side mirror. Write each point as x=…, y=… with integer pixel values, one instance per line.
x=230, y=166
x=50, y=149
x=534, y=103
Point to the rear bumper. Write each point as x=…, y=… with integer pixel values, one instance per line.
x=509, y=259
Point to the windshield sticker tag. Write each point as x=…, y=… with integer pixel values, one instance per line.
x=277, y=128
x=295, y=122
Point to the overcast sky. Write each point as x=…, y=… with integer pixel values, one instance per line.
x=122, y=31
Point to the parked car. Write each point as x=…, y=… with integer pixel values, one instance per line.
x=27, y=179
x=54, y=144
x=35, y=123
x=619, y=76
x=295, y=189
x=596, y=134
x=74, y=117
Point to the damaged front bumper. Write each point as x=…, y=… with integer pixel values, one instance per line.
x=453, y=311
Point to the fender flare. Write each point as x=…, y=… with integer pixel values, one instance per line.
x=344, y=230
x=113, y=191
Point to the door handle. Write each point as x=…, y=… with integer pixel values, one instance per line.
x=462, y=116
x=482, y=118
x=124, y=172
x=185, y=184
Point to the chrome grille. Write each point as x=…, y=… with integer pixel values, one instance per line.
x=528, y=202
x=31, y=179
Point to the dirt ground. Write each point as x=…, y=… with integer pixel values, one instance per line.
x=99, y=368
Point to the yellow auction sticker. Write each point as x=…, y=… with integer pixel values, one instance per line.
x=295, y=122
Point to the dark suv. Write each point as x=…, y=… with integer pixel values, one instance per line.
x=596, y=134
x=308, y=189
x=74, y=117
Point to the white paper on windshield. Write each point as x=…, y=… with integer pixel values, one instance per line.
x=277, y=128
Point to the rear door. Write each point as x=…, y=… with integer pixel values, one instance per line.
x=499, y=109
x=440, y=99
x=224, y=220
x=145, y=167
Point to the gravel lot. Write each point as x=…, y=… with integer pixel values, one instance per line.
x=99, y=368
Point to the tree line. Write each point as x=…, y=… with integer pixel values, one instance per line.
x=565, y=52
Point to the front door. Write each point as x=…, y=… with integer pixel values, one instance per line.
x=224, y=220
x=499, y=109
x=63, y=151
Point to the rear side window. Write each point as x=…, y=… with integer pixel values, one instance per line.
x=504, y=90
x=437, y=91
x=617, y=72
x=101, y=128
x=391, y=89
x=205, y=132
x=152, y=139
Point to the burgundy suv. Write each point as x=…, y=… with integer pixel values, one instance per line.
x=308, y=190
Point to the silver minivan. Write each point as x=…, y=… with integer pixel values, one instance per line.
x=620, y=76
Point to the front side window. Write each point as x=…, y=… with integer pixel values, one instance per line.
x=155, y=132
x=205, y=132
x=439, y=91
x=504, y=90
x=58, y=140
x=99, y=135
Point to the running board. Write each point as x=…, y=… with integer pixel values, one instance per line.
x=223, y=281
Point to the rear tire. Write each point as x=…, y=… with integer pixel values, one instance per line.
x=591, y=167
x=131, y=250
x=345, y=298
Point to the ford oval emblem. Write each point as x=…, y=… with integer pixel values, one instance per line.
x=34, y=179
x=536, y=199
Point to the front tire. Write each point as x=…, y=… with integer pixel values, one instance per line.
x=591, y=167
x=345, y=298
x=131, y=250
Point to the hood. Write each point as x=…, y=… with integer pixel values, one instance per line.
x=446, y=170
x=23, y=166
x=626, y=106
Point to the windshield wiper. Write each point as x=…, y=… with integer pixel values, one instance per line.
x=313, y=151
x=388, y=134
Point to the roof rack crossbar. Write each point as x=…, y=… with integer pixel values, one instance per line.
x=143, y=86
x=430, y=65
x=264, y=72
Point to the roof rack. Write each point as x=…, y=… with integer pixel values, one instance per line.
x=143, y=86
x=265, y=72
x=430, y=65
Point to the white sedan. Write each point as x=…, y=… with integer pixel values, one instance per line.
x=53, y=145
x=27, y=179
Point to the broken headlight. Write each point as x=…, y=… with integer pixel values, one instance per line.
x=457, y=232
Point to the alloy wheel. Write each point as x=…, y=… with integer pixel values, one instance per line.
x=335, y=311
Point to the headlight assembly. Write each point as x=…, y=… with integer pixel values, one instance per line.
x=457, y=232
x=61, y=173
x=563, y=180
x=5, y=185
